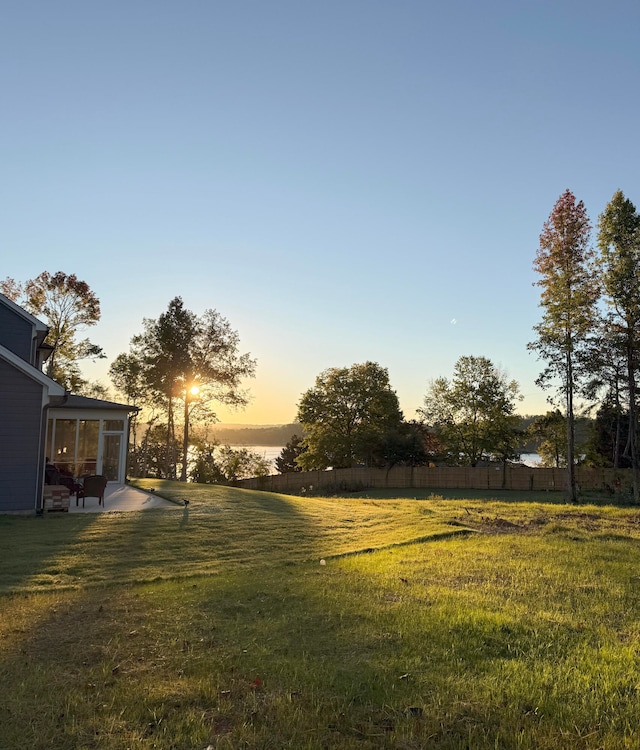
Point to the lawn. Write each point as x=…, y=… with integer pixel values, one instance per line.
x=255, y=620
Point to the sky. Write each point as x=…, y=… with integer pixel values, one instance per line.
x=344, y=181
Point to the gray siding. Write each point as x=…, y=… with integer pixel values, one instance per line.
x=20, y=440
x=15, y=333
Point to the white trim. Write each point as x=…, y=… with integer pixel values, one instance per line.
x=62, y=412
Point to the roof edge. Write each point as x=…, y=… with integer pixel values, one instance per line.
x=54, y=389
x=39, y=325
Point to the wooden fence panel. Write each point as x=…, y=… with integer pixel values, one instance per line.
x=614, y=481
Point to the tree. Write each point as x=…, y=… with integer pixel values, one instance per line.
x=473, y=414
x=241, y=463
x=606, y=441
x=205, y=469
x=193, y=360
x=345, y=416
x=570, y=291
x=550, y=431
x=67, y=305
x=406, y=445
x=126, y=373
x=619, y=242
x=151, y=454
x=287, y=462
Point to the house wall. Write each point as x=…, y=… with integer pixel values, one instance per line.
x=20, y=440
x=15, y=333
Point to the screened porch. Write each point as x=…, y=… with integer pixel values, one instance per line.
x=88, y=436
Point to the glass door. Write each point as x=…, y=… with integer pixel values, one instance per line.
x=111, y=450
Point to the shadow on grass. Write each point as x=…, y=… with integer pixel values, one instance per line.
x=72, y=551
x=218, y=496
x=505, y=496
x=284, y=654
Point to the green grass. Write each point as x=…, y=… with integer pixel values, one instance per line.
x=462, y=622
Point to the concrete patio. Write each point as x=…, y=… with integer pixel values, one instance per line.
x=119, y=498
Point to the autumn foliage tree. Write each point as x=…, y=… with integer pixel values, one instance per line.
x=569, y=286
x=67, y=305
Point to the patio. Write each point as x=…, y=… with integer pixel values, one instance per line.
x=120, y=498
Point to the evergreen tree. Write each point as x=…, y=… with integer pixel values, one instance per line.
x=619, y=242
x=287, y=462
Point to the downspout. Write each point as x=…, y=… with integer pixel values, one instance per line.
x=44, y=420
x=136, y=411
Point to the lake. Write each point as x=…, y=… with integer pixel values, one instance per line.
x=271, y=452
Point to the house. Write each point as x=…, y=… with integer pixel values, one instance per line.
x=39, y=419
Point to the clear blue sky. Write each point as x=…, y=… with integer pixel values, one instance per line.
x=341, y=179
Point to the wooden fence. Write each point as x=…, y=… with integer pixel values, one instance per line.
x=447, y=477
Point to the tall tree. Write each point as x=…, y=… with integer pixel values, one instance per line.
x=570, y=291
x=193, y=360
x=474, y=413
x=126, y=373
x=346, y=415
x=67, y=305
x=619, y=242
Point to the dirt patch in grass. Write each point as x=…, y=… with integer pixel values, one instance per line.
x=582, y=521
x=497, y=524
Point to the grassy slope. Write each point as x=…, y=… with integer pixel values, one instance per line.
x=508, y=624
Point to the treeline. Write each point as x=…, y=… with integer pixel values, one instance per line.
x=589, y=334
x=181, y=366
x=272, y=435
x=351, y=417
x=531, y=438
x=280, y=435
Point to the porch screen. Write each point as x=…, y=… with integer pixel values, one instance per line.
x=88, y=431
x=64, y=445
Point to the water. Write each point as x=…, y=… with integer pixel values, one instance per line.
x=530, y=459
x=271, y=452
x=268, y=452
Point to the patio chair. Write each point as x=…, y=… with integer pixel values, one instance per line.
x=92, y=486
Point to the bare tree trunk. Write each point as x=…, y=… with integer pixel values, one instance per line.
x=571, y=469
x=633, y=423
x=170, y=463
x=185, y=439
x=145, y=452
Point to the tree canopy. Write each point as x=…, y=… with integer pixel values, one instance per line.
x=570, y=291
x=67, y=305
x=346, y=415
x=189, y=360
x=473, y=414
x=619, y=243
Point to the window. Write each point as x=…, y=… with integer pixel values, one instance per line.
x=64, y=448
x=88, y=433
x=113, y=425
